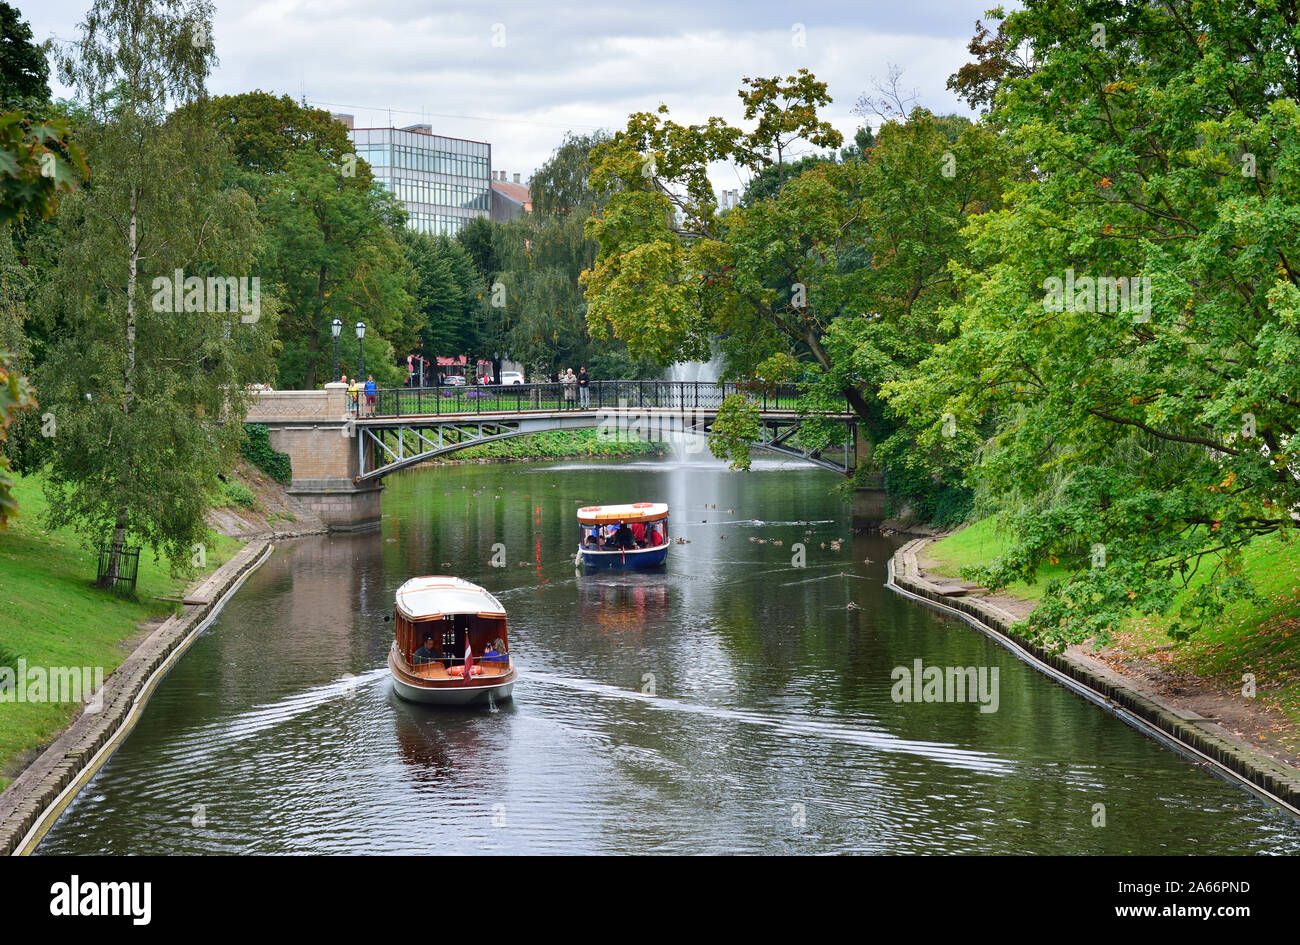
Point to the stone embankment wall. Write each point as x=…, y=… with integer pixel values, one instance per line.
x=1187, y=728
x=50, y=783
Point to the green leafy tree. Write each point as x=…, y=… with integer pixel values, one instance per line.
x=925, y=179
x=333, y=249
x=843, y=265
x=1144, y=429
x=39, y=164
x=734, y=429
x=665, y=280
x=265, y=130
x=147, y=401
x=448, y=295
x=536, y=302
x=24, y=71
x=15, y=397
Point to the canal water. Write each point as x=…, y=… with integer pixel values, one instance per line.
x=731, y=703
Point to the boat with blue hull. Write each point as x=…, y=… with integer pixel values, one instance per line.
x=633, y=537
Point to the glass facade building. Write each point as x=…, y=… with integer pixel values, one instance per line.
x=443, y=182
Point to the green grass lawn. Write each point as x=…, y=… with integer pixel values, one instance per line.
x=50, y=615
x=978, y=544
x=1263, y=639
x=1259, y=638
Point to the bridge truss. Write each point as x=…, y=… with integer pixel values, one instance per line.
x=388, y=444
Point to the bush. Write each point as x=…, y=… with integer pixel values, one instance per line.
x=240, y=494
x=257, y=450
x=938, y=503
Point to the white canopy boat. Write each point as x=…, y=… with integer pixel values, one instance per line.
x=451, y=646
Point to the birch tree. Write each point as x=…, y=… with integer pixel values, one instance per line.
x=160, y=321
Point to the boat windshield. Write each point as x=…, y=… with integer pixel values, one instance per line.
x=623, y=536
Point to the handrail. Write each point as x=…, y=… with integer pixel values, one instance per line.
x=526, y=398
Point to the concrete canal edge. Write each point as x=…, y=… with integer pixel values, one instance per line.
x=1200, y=738
x=36, y=798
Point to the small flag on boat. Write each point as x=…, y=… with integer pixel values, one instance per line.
x=469, y=659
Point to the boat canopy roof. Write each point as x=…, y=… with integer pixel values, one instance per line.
x=636, y=512
x=427, y=598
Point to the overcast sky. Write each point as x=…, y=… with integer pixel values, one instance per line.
x=519, y=74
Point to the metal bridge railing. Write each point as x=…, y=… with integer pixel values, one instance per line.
x=524, y=398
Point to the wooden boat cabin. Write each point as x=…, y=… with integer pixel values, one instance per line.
x=451, y=645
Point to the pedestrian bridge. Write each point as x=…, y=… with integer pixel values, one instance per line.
x=341, y=452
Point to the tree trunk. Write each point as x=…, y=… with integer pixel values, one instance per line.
x=854, y=396
x=109, y=579
x=128, y=389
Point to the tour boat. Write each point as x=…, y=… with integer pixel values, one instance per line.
x=450, y=646
x=623, y=536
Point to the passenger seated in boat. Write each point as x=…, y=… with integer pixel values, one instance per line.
x=623, y=538
x=592, y=541
x=638, y=534
x=425, y=654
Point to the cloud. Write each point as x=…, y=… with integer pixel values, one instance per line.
x=564, y=66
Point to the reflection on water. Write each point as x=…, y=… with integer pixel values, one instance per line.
x=730, y=702
x=621, y=601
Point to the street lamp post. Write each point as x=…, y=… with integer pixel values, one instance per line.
x=336, y=329
x=361, y=353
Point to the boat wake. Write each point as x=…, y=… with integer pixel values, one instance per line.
x=262, y=717
x=795, y=727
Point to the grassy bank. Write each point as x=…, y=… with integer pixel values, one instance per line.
x=50, y=616
x=559, y=444
x=1263, y=639
x=978, y=544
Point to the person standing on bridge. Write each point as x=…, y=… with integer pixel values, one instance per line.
x=354, y=395
x=584, y=389
x=370, y=393
x=570, y=386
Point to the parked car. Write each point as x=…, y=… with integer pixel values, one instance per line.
x=511, y=377
x=453, y=380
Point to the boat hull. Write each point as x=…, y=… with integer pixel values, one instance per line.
x=631, y=560
x=455, y=692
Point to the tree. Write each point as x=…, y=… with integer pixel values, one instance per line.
x=998, y=61
x=24, y=73
x=147, y=399
x=842, y=265
x=563, y=184
x=332, y=235
x=925, y=180
x=39, y=163
x=1129, y=319
x=448, y=294
x=536, y=308
x=265, y=130
x=333, y=249
x=665, y=280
